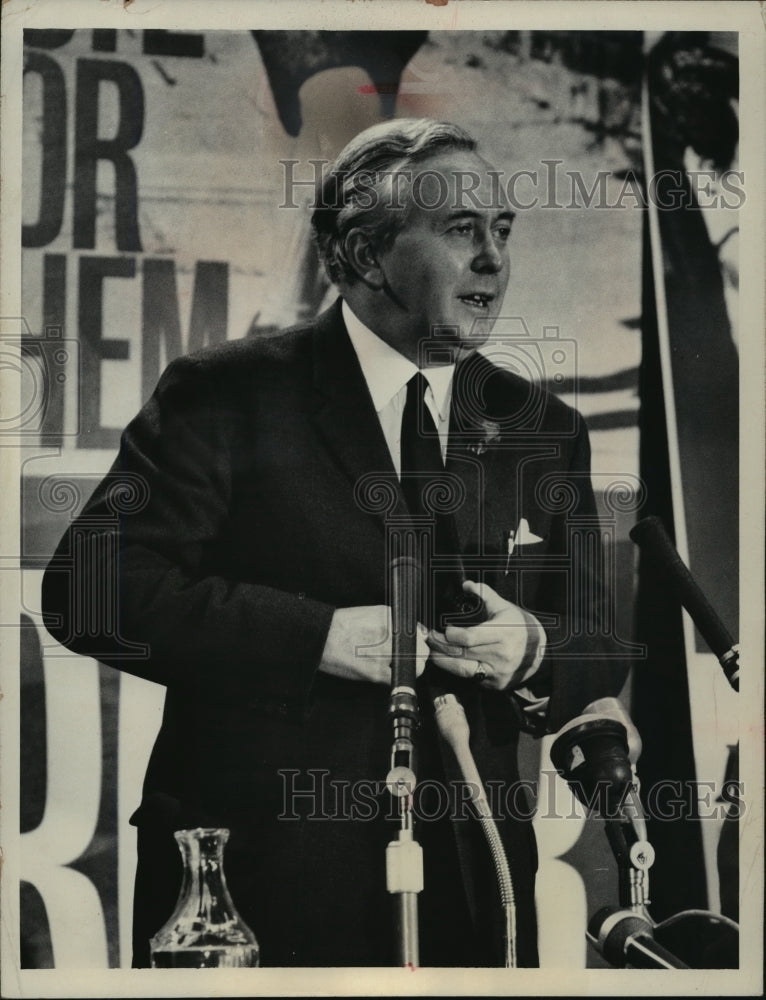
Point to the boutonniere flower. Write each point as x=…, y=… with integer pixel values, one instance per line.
x=490, y=432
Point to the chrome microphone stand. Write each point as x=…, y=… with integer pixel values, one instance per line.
x=404, y=880
x=404, y=856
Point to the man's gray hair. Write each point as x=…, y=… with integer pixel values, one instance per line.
x=361, y=190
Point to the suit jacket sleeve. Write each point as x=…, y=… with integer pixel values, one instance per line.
x=132, y=582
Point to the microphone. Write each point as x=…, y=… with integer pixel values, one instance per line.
x=454, y=730
x=453, y=726
x=405, y=578
x=626, y=938
x=652, y=538
x=405, y=588
x=594, y=753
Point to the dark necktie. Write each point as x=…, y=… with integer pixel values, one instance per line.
x=420, y=451
x=422, y=468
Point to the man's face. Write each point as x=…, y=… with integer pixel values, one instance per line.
x=447, y=271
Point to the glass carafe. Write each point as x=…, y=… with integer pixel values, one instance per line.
x=205, y=930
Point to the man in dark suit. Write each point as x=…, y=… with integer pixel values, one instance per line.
x=238, y=553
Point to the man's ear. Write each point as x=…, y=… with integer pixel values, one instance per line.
x=363, y=258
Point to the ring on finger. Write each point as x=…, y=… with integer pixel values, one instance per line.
x=480, y=673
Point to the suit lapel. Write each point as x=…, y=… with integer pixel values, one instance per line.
x=472, y=452
x=491, y=435
x=345, y=417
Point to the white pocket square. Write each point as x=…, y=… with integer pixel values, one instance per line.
x=524, y=536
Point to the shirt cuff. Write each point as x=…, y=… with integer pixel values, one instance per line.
x=537, y=643
x=534, y=706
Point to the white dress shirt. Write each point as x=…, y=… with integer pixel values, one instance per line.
x=387, y=373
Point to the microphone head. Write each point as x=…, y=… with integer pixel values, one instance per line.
x=405, y=583
x=591, y=754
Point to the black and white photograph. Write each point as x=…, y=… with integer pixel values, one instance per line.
x=382, y=445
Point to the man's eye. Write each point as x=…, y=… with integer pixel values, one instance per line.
x=462, y=227
x=503, y=233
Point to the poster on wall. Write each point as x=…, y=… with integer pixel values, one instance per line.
x=231, y=241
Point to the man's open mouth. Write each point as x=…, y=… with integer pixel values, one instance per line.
x=478, y=300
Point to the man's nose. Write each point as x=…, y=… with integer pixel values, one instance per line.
x=489, y=258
